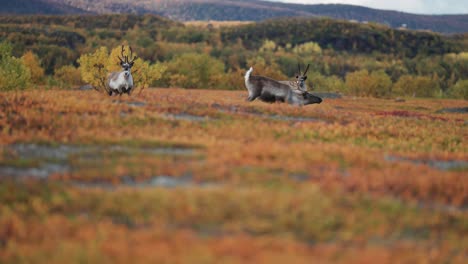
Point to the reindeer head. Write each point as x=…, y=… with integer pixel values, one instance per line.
x=125, y=63
x=311, y=99
x=301, y=78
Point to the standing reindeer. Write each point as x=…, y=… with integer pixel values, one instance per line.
x=270, y=90
x=122, y=81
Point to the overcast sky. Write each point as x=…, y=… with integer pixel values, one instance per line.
x=411, y=6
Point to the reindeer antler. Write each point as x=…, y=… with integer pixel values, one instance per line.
x=306, y=69
x=124, y=58
x=131, y=55
x=122, y=54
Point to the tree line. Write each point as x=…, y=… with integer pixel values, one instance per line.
x=351, y=58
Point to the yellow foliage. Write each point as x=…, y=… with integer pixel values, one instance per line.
x=458, y=56
x=195, y=70
x=113, y=62
x=268, y=45
x=459, y=90
x=68, y=75
x=88, y=67
x=416, y=86
x=463, y=55
x=266, y=68
x=234, y=79
x=145, y=74
x=363, y=83
x=307, y=48
x=31, y=61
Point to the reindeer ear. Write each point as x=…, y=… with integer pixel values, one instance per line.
x=297, y=76
x=131, y=63
x=305, y=78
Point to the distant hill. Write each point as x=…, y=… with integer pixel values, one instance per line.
x=243, y=10
x=45, y=7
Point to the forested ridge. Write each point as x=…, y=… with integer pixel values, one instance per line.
x=343, y=35
x=243, y=10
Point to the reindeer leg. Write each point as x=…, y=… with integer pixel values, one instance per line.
x=253, y=96
x=279, y=99
x=250, y=98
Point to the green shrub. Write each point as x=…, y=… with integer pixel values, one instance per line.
x=14, y=75
x=319, y=82
x=68, y=75
x=193, y=70
x=307, y=48
x=416, y=86
x=459, y=90
x=268, y=46
x=363, y=83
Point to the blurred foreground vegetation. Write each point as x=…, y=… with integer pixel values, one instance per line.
x=351, y=58
x=182, y=176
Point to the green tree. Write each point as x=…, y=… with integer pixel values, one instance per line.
x=363, y=83
x=381, y=84
x=459, y=90
x=307, y=48
x=68, y=75
x=94, y=67
x=416, y=86
x=144, y=74
x=404, y=86
x=14, y=75
x=268, y=46
x=319, y=82
x=193, y=70
x=356, y=82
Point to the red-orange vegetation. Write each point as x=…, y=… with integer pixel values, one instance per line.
x=351, y=180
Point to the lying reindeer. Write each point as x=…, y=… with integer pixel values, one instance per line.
x=122, y=81
x=269, y=90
